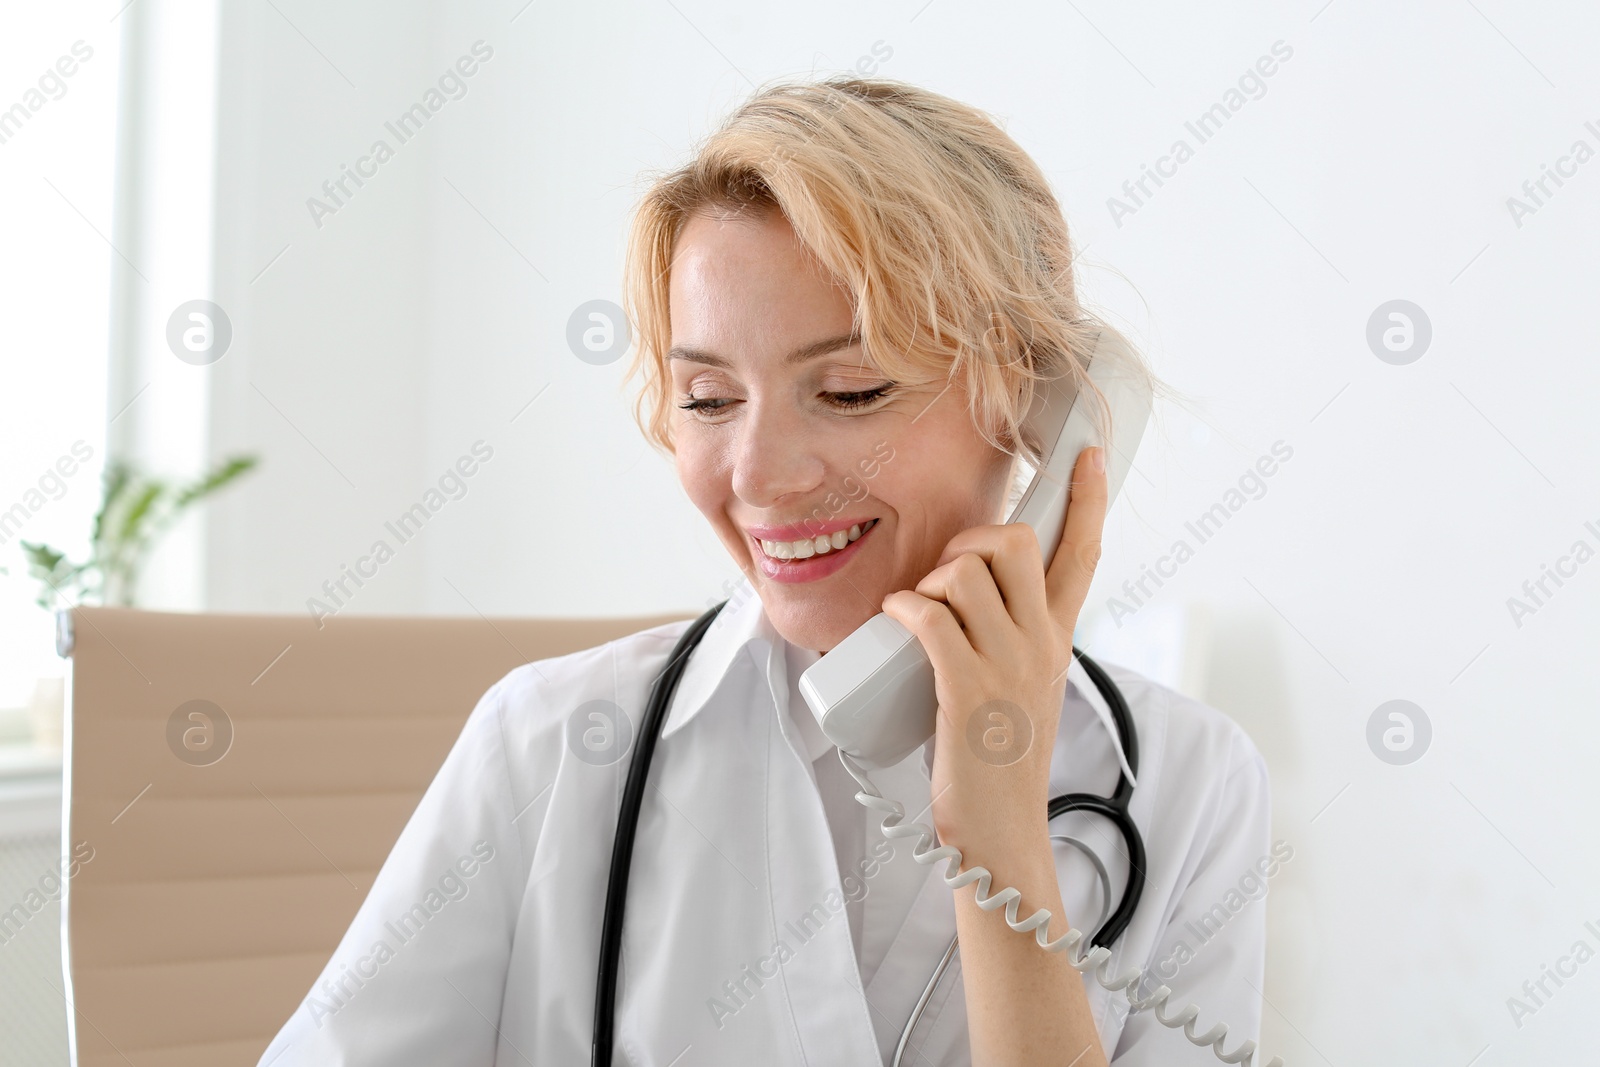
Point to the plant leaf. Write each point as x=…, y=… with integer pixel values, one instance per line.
x=139, y=510
x=227, y=471
x=116, y=479
x=41, y=556
x=57, y=575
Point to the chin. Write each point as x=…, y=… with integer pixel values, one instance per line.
x=818, y=626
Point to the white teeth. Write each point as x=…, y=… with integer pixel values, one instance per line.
x=821, y=545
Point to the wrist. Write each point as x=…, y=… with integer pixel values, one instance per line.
x=1022, y=849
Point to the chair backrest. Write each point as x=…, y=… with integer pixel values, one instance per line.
x=233, y=784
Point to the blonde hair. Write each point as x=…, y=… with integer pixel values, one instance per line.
x=944, y=231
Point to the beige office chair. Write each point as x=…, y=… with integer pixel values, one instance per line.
x=234, y=782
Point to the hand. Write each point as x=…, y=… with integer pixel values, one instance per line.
x=998, y=630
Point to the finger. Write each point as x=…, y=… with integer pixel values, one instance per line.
x=1072, y=568
x=967, y=586
x=1012, y=553
x=935, y=627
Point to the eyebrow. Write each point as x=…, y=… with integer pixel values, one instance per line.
x=799, y=355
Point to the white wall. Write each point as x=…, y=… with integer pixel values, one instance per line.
x=1376, y=166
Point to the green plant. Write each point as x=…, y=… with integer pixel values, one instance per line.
x=135, y=510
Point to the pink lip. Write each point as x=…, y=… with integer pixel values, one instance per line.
x=809, y=528
x=807, y=570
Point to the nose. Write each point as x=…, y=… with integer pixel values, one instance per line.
x=775, y=455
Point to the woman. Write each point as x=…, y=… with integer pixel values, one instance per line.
x=844, y=303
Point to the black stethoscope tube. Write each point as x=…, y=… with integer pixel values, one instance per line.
x=1114, y=807
x=627, y=823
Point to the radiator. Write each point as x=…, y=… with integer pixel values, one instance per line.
x=33, y=1017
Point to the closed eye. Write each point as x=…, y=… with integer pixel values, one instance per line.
x=858, y=399
x=848, y=401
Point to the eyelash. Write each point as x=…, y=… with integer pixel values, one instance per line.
x=848, y=401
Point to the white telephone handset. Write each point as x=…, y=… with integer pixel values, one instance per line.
x=873, y=693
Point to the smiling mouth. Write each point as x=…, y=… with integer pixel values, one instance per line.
x=810, y=548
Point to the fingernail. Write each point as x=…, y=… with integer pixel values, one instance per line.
x=1099, y=460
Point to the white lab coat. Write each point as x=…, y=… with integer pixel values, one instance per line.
x=479, y=940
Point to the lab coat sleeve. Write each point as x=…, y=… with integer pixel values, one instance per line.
x=419, y=975
x=1212, y=952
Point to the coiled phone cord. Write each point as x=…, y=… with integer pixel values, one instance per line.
x=1097, y=958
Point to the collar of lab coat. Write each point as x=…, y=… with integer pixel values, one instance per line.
x=742, y=626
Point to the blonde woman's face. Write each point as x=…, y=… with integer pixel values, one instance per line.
x=789, y=434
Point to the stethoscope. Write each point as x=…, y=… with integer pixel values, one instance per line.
x=1114, y=808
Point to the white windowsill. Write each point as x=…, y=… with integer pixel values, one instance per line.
x=30, y=790
x=22, y=761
